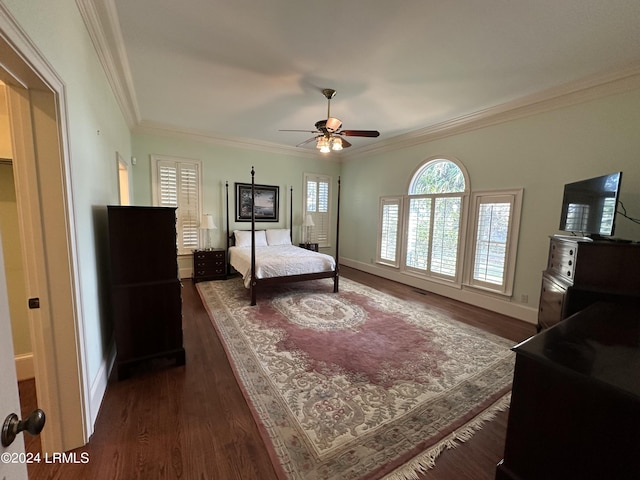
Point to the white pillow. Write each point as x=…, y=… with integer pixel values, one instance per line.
x=243, y=238
x=278, y=236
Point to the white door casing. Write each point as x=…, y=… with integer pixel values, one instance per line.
x=10, y=466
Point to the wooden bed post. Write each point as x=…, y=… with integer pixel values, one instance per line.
x=253, y=238
x=291, y=213
x=337, y=271
x=226, y=185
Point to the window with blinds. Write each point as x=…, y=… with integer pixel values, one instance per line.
x=389, y=231
x=496, y=218
x=318, y=205
x=434, y=215
x=429, y=234
x=177, y=184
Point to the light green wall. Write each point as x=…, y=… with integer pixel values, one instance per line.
x=223, y=163
x=539, y=153
x=96, y=130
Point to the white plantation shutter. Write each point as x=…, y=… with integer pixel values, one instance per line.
x=389, y=231
x=446, y=226
x=318, y=205
x=433, y=234
x=418, y=233
x=177, y=184
x=491, y=242
x=496, y=222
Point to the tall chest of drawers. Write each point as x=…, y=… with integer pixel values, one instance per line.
x=581, y=272
x=146, y=297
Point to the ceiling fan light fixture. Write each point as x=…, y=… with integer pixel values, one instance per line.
x=336, y=144
x=323, y=145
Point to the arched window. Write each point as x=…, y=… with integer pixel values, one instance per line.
x=434, y=214
x=421, y=232
x=437, y=176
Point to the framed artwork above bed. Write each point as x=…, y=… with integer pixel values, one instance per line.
x=266, y=203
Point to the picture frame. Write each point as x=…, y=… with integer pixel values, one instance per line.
x=267, y=206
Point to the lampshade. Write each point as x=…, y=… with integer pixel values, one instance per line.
x=207, y=222
x=336, y=143
x=308, y=221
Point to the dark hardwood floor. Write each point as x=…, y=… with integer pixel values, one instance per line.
x=192, y=422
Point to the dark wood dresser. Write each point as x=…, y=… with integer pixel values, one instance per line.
x=581, y=272
x=145, y=288
x=575, y=405
x=209, y=264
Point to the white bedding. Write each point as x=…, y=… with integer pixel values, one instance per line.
x=279, y=261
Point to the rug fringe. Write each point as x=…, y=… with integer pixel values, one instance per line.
x=427, y=459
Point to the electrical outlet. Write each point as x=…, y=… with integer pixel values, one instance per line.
x=524, y=298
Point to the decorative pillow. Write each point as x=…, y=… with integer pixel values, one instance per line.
x=243, y=238
x=278, y=236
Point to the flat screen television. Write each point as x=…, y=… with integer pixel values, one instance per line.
x=589, y=206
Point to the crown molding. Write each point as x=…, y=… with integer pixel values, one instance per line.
x=586, y=89
x=146, y=127
x=109, y=45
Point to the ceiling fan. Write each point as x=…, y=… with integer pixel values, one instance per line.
x=328, y=134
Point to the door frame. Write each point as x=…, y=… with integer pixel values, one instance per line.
x=37, y=110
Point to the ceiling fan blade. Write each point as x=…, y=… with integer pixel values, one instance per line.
x=359, y=133
x=307, y=131
x=306, y=141
x=345, y=144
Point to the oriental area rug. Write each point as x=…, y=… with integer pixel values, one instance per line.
x=356, y=384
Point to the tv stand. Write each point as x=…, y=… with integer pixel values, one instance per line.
x=581, y=272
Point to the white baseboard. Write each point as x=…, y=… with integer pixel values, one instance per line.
x=24, y=366
x=185, y=272
x=99, y=385
x=488, y=302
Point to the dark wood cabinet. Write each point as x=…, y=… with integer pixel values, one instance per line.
x=146, y=300
x=209, y=264
x=575, y=404
x=581, y=272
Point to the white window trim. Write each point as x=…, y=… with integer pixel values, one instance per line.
x=155, y=160
x=457, y=279
x=391, y=200
x=318, y=177
x=513, y=196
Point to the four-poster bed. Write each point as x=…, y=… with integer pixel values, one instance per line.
x=267, y=257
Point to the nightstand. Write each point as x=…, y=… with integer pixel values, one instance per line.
x=309, y=246
x=209, y=264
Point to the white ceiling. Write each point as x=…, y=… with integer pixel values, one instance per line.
x=241, y=70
